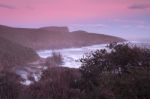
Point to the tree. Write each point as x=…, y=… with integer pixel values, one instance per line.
x=55, y=60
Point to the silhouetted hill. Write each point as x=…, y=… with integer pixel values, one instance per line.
x=12, y=54
x=54, y=37
x=56, y=29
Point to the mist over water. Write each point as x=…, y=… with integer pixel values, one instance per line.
x=71, y=56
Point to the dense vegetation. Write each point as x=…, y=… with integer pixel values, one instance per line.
x=10, y=87
x=120, y=73
x=12, y=54
x=123, y=72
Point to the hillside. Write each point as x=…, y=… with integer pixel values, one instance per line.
x=12, y=54
x=54, y=37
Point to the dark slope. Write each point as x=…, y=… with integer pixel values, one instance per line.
x=12, y=54
x=54, y=37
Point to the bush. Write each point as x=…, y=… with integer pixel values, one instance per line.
x=124, y=71
x=55, y=60
x=132, y=86
x=56, y=83
x=10, y=87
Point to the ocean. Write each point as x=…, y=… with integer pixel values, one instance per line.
x=71, y=56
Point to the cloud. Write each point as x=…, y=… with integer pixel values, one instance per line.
x=129, y=21
x=90, y=25
x=7, y=6
x=139, y=6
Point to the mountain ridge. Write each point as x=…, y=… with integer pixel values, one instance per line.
x=54, y=37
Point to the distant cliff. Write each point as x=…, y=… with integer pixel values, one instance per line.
x=54, y=37
x=55, y=29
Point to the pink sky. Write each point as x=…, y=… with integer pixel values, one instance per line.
x=35, y=13
x=67, y=11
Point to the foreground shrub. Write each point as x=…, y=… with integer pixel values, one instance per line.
x=121, y=73
x=56, y=83
x=10, y=87
x=132, y=86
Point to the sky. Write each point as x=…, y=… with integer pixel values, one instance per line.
x=129, y=19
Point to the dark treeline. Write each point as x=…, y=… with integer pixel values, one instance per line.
x=123, y=72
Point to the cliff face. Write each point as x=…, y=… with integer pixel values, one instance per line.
x=54, y=37
x=12, y=54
